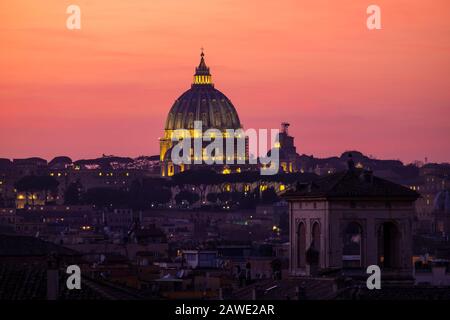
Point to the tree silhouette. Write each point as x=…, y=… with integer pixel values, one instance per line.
x=212, y=197
x=31, y=184
x=269, y=196
x=224, y=196
x=73, y=194
x=106, y=197
x=188, y=196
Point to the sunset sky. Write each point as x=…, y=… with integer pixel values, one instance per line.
x=108, y=87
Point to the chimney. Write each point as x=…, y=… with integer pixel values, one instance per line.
x=52, y=277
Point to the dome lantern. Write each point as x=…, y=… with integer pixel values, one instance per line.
x=202, y=75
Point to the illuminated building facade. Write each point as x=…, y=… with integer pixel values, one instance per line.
x=348, y=221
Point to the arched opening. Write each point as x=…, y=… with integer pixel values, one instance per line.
x=313, y=253
x=316, y=236
x=170, y=169
x=301, y=245
x=389, y=245
x=352, y=246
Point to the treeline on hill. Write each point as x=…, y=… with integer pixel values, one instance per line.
x=33, y=184
x=151, y=192
x=144, y=194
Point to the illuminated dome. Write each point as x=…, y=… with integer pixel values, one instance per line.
x=202, y=102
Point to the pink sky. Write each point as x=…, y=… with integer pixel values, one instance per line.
x=108, y=87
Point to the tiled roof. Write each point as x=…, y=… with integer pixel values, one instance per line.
x=29, y=282
x=325, y=289
x=350, y=184
x=395, y=293
x=12, y=245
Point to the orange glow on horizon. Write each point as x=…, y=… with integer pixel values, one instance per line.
x=107, y=88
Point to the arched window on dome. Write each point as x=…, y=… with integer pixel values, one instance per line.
x=170, y=118
x=229, y=120
x=204, y=119
x=191, y=120
x=218, y=120
x=179, y=120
